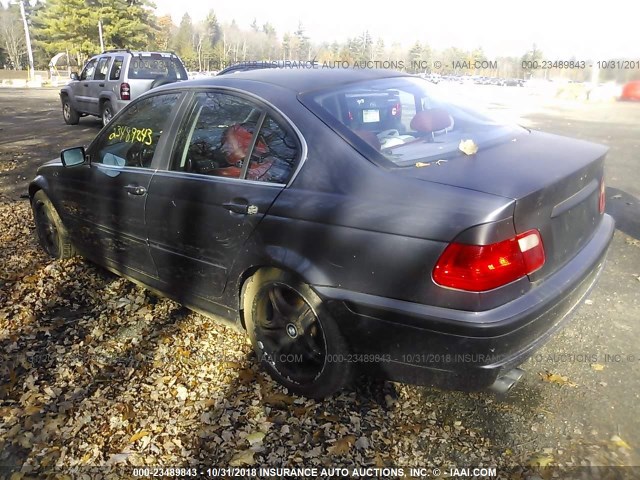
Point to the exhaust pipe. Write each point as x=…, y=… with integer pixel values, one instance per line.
x=505, y=382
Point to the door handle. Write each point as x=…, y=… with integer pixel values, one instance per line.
x=86, y=84
x=101, y=84
x=135, y=190
x=242, y=208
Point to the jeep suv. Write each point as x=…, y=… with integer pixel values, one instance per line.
x=109, y=81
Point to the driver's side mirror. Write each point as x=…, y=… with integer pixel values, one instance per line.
x=73, y=156
x=74, y=76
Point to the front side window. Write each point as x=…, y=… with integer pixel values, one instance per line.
x=102, y=69
x=131, y=140
x=404, y=119
x=223, y=131
x=89, y=70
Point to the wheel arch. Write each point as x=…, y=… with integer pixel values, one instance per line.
x=39, y=183
x=280, y=259
x=106, y=98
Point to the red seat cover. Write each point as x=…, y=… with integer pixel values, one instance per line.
x=433, y=120
x=236, y=141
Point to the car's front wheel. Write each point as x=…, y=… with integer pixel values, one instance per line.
x=294, y=336
x=52, y=234
x=107, y=113
x=71, y=117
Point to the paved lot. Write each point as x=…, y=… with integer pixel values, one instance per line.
x=587, y=414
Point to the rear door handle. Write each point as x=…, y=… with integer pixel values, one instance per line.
x=135, y=190
x=101, y=84
x=242, y=208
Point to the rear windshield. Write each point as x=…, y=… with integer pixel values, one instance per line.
x=152, y=67
x=405, y=119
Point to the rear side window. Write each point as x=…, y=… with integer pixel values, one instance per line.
x=152, y=67
x=275, y=161
x=221, y=133
x=116, y=69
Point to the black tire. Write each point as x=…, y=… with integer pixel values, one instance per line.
x=52, y=235
x=71, y=117
x=294, y=336
x=106, y=113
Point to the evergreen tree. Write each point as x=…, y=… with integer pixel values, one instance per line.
x=302, y=44
x=72, y=25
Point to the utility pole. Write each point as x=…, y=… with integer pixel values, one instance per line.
x=32, y=70
x=100, y=32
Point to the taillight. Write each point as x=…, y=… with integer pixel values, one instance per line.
x=125, y=91
x=603, y=198
x=477, y=268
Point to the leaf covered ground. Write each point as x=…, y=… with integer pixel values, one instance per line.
x=97, y=371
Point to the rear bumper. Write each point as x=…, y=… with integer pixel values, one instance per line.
x=422, y=344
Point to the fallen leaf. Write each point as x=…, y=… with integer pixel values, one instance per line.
x=468, y=147
x=597, y=367
x=138, y=436
x=182, y=392
x=255, y=438
x=618, y=442
x=244, y=457
x=342, y=446
x=278, y=400
x=422, y=164
x=362, y=443
x=117, y=458
x=540, y=460
x=246, y=375
x=557, y=379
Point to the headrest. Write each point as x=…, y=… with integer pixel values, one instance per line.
x=369, y=137
x=433, y=120
x=236, y=141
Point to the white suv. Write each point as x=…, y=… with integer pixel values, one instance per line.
x=109, y=81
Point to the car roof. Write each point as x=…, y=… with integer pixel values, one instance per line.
x=296, y=79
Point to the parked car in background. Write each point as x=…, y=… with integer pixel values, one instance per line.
x=114, y=78
x=631, y=91
x=283, y=202
x=514, y=82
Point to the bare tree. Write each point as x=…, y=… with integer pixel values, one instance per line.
x=12, y=36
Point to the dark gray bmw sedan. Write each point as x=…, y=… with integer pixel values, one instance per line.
x=349, y=220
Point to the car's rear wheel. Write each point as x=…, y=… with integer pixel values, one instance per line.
x=294, y=336
x=107, y=113
x=71, y=117
x=52, y=234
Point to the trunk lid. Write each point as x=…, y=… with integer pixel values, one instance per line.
x=554, y=180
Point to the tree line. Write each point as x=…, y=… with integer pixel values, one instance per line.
x=71, y=26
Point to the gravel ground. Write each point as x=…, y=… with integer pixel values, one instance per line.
x=96, y=371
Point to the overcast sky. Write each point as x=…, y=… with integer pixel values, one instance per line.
x=560, y=28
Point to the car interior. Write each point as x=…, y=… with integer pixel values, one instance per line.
x=220, y=150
